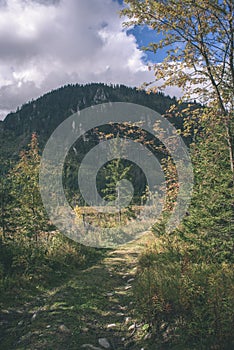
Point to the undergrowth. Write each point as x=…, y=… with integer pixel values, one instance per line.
x=186, y=302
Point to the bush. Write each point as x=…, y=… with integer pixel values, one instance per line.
x=186, y=303
x=40, y=261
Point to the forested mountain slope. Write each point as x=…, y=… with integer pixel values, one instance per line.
x=47, y=112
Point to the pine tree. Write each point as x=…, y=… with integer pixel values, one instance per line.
x=116, y=171
x=210, y=223
x=29, y=212
x=6, y=201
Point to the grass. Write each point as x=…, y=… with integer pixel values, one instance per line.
x=85, y=301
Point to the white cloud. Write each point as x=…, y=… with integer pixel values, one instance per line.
x=45, y=44
x=48, y=43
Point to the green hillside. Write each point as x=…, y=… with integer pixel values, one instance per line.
x=47, y=112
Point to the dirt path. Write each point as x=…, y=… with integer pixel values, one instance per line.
x=92, y=310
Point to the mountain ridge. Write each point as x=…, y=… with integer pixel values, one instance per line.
x=44, y=114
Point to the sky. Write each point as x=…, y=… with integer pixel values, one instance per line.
x=45, y=44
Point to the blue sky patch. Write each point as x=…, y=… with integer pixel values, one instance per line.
x=144, y=36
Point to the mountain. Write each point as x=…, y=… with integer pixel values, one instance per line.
x=47, y=112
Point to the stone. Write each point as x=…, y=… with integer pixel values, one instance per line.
x=64, y=329
x=130, y=328
x=104, y=343
x=112, y=325
x=131, y=280
x=127, y=320
x=90, y=347
x=148, y=336
x=5, y=311
x=128, y=287
x=34, y=316
x=85, y=329
x=122, y=307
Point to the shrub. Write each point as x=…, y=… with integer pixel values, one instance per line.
x=186, y=303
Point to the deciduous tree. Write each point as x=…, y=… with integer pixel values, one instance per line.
x=199, y=37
